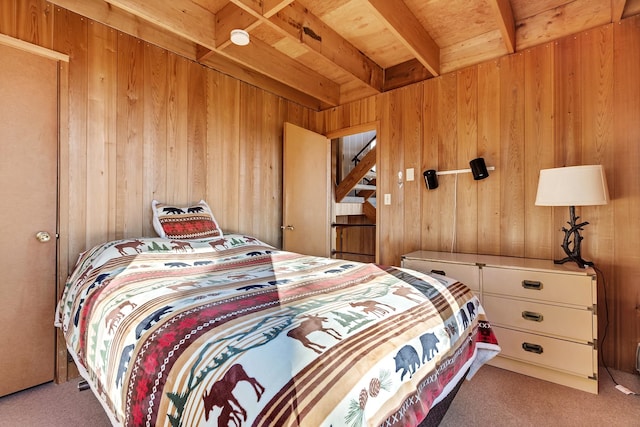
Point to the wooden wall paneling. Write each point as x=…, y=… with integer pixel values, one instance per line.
x=625, y=191
x=583, y=113
x=333, y=118
x=430, y=217
x=489, y=147
x=71, y=35
x=273, y=115
x=597, y=137
x=539, y=147
x=411, y=144
x=130, y=139
x=304, y=117
x=355, y=112
x=155, y=132
x=35, y=22
x=512, y=161
x=196, y=132
x=101, y=130
x=467, y=149
x=176, y=175
x=251, y=189
x=363, y=111
x=447, y=158
x=61, y=370
x=384, y=170
x=223, y=150
x=8, y=18
x=394, y=159
x=568, y=123
x=314, y=121
x=597, y=148
x=569, y=101
x=597, y=68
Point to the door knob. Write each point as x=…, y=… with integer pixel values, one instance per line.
x=287, y=227
x=43, y=236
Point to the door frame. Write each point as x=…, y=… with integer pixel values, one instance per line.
x=352, y=130
x=62, y=214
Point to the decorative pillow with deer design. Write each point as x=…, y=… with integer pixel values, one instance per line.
x=185, y=222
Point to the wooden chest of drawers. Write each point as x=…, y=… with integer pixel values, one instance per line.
x=544, y=315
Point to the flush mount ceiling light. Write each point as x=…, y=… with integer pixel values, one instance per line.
x=239, y=37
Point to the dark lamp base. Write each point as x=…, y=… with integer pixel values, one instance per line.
x=581, y=263
x=572, y=240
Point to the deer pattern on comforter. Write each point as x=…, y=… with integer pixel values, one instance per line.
x=233, y=332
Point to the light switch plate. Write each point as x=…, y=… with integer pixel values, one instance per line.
x=410, y=174
x=387, y=199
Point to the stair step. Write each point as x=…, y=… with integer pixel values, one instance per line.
x=353, y=199
x=348, y=209
x=365, y=187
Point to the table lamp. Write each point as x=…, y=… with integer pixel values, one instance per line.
x=573, y=186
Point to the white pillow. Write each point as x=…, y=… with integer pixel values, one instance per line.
x=184, y=223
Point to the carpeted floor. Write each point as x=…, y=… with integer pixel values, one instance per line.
x=494, y=397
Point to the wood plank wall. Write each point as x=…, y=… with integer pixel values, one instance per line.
x=568, y=102
x=145, y=123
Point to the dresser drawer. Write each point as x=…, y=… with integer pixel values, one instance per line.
x=554, y=287
x=549, y=352
x=465, y=273
x=562, y=322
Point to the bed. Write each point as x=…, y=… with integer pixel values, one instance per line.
x=229, y=331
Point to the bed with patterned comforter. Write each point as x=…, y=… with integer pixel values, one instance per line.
x=233, y=332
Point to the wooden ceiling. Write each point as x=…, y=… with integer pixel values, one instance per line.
x=324, y=53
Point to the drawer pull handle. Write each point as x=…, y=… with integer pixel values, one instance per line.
x=534, y=317
x=532, y=348
x=532, y=284
x=440, y=272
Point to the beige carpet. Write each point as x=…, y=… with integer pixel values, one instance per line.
x=494, y=397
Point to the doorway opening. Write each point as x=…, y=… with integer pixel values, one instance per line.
x=353, y=228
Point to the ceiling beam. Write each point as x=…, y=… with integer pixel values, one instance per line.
x=262, y=8
x=104, y=13
x=399, y=19
x=617, y=9
x=229, y=18
x=268, y=84
x=297, y=22
x=271, y=7
x=265, y=59
x=506, y=22
x=184, y=18
x=305, y=87
x=404, y=74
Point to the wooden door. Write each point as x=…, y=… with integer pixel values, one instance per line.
x=307, y=192
x=28, y=178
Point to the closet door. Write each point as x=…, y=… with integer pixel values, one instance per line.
x=28, y=179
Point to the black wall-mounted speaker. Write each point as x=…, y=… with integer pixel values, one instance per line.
x=479, y=168
x=430, y=179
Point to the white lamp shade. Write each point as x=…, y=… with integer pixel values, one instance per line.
x=572, y=186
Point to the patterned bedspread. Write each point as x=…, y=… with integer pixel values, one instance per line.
x=233, y=332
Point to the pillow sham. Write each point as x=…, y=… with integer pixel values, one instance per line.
x=184, y=223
